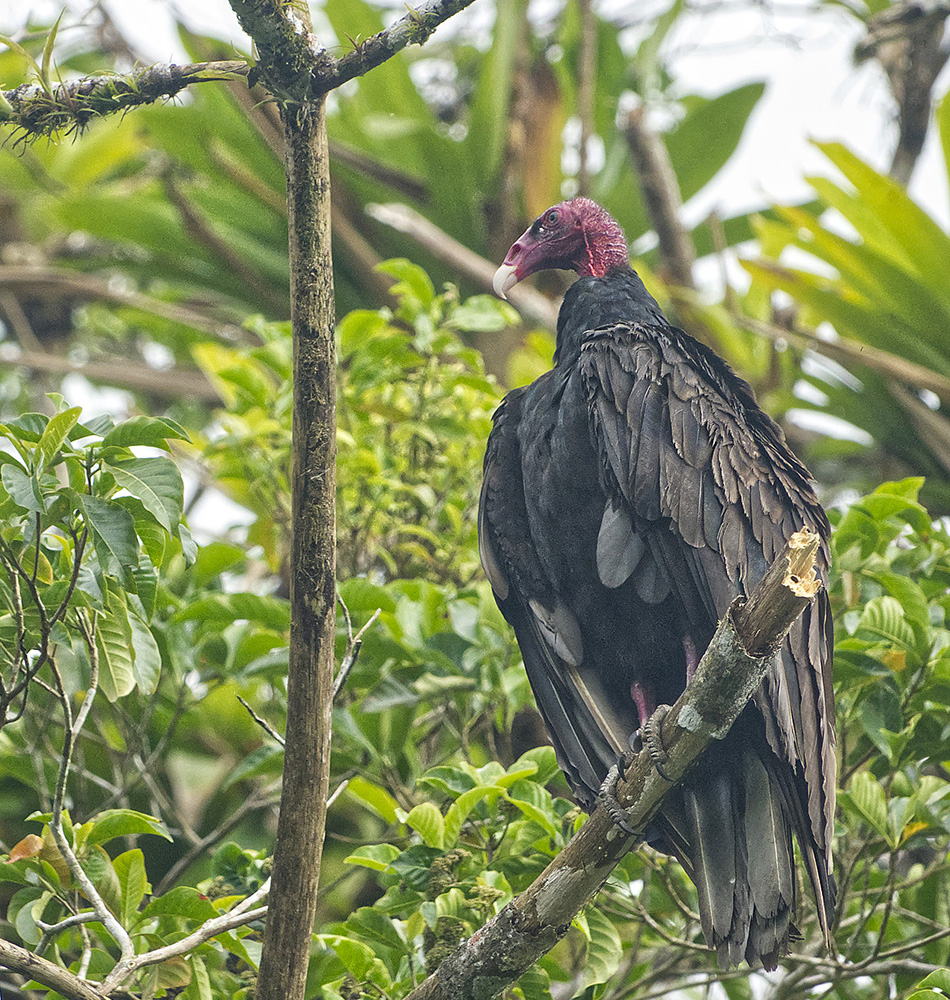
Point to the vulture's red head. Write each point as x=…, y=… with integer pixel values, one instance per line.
x=576, y=235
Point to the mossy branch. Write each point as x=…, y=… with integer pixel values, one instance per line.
x=38, y=109
x=730, y=671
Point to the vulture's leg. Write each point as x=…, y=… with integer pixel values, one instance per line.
x=651, y=718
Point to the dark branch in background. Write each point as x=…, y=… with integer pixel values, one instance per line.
x=534, y=306
x=46, y=282
x=729, y=673
x=42, y=109
x=586, y=72
x=164, y=383
x=661, y=194
x=905, y=39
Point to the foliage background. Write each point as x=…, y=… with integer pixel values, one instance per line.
x=149, y=258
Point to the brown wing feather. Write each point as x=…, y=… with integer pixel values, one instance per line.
x=734, y=493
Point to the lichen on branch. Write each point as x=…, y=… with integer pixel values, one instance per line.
x=43, y=109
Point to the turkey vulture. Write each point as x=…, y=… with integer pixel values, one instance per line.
x=629, y=495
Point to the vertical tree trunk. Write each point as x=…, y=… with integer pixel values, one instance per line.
x=302, y=820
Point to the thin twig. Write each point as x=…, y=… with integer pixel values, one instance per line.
x=263, y=723
x=71, y=729
x=353, y=647
x=240, y=914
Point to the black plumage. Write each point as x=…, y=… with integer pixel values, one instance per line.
x=629, y=495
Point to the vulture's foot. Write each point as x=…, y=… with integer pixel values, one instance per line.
x=608, y=795
x=652, y=738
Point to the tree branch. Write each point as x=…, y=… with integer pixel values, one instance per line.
x=412, y=29
x=239, y=914
x=40, y=109
x=727, y=676
x=55, y=977
x=661, y=194
x=530, y=303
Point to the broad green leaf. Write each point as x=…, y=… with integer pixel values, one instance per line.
x=130, y=869
x=908, y=592
x=182, y=901
x=157, y=483
x=938, y=980
x=884, y=617
x=427, y=821
x=707, y=137
x=372, y=795
x=358, y=958
x=375, y=856
x=23, y=488
x=114, y=649
x=147, y=664
x=114, y=537
x=111, y=823
x=910, y=227
x=200, y=986
x=604, y=951
x=459, y=810
x=152, y=432
x=56, y=432
x=272, y=612
x=867, y=797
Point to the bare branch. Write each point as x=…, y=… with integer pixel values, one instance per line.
x=239, y=914
x=661, y=194
x=530, y=303
x=166, y=383
x=55, y=977
x=48, y=281
x=37, y=110
x=728, y=675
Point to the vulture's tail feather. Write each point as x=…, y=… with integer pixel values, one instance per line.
x=740, y=853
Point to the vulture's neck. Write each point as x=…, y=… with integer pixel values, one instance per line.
x=592, y=302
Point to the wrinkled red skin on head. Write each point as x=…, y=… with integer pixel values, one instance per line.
x=576, y=235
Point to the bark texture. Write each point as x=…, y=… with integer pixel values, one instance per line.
x=303, y=808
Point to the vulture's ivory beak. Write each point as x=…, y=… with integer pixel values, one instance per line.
x=505, y=279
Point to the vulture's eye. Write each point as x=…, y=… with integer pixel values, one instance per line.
x=551, y=217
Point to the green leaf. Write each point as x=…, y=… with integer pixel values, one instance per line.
x=157, y=483
x=272, y=612
x=200, y=986
x=23, y=489
x=153, y=432
x=182, y=901
x=375, y=856
x=427, y=821
x=939, y=979
x=458, y=812
x=130, y=870
x=707, y=137
x=56, y=432
x=114, y=537
x=147, y=665
x=114, y=648
x=883, y=617
x=359, y=959
x=377, y=798
x=867, y=797
x=604, y=951
x=112, y=823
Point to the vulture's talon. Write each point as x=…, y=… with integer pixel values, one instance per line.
x=653, y=739
x=608, y=795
